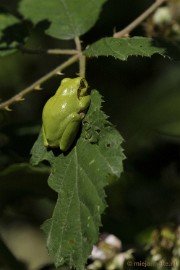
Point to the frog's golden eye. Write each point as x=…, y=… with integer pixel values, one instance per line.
x=82, y=88
x=82, y=84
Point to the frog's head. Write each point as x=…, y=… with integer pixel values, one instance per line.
x=78, y=85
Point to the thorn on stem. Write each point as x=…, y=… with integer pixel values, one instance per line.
x=38, y=87
x=19, y=99
x=59, y=73
x=7, y=109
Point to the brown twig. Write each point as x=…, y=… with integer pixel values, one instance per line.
x=36, y=85
x=49, y=51
x=138, y=20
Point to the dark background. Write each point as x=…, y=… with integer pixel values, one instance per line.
x=142, y=98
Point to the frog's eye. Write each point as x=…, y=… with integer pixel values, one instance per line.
x=82, y=88
x=82, y=84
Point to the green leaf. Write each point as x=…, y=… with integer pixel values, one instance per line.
x=6, y=20
x=95, y=120
x=122, y=48
x=79, y=178
x=66, y=18
x=12, y=33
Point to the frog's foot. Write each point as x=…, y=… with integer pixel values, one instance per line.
x=82, y=115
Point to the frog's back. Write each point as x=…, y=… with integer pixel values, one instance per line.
x=50, y=125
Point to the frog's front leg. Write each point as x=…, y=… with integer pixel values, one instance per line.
x=70, y=131
x=85, y=102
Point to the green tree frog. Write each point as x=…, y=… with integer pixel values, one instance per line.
x=63, y=113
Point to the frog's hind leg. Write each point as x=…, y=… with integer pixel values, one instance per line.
x=69, y=135
x=44, y=138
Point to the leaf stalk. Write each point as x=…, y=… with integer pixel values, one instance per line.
x=82, y=58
